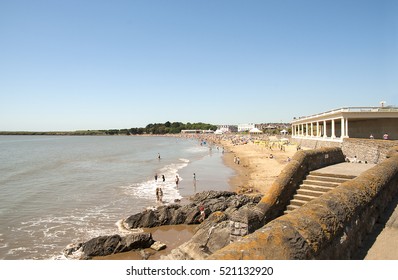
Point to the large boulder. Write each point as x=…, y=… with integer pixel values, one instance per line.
x=108, y=245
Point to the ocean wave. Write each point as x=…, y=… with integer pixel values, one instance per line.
x=197, y=149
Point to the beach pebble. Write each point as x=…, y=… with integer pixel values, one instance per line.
x=158, y=246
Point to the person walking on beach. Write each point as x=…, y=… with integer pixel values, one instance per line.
x=163, y=178
x=158, y=156
x=177, y=181
x=156, y=177
x=194, y=177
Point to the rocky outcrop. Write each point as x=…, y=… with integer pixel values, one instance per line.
x=211, y=235
x=108, y=245
x=174, y=214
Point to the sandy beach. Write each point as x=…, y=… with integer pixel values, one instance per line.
x=260, y=162
x=259, y=165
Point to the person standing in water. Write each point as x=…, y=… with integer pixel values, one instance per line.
x=177, y=180
x=159, y=194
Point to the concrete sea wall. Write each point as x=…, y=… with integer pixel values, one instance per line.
x=330, y=227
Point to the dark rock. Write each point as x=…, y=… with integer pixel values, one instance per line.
x=133, y=221
x=179, y=217
x=174, y=214
x=134, y=241
x=101, y=246
x=150, y=219
x=192, y=216
x=207, y=195
x=107, y=245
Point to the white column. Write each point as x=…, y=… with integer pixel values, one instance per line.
x=346, y=128
x=302, y=130
x=333, y=130
x=342, y=128
x=325, y=132
x=306, y=129
x=312, y=129
x=317, y=129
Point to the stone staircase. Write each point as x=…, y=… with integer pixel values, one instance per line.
x=315, y=185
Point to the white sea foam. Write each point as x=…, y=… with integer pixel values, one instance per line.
x=124, y=231
x=3, y=244
x=197, y=149
x=147, y=189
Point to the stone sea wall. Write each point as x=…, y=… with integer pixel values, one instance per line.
x=275, y=201
x=331, y=227
x=370, y=150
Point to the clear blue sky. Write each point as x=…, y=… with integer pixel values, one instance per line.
x=72, y=64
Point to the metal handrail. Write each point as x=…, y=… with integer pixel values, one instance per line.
x=352, y=109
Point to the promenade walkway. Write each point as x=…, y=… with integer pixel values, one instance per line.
x=382, y=243
x=346, y=168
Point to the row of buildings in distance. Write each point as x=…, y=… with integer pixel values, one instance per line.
x=270, y=128
x=334, y=125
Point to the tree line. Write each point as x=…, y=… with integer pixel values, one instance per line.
x=161, y=128
x=153, y=128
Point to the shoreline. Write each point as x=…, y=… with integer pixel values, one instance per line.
x=261, y=160
x=254, y=174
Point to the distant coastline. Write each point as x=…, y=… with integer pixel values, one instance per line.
x=60, y=133
x=150, y=129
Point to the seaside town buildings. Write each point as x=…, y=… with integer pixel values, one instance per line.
x=245, y=127
x=227, y=128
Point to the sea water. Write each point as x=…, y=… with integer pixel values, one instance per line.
x=57, y=190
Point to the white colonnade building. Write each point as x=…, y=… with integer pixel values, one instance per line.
x=356, y=122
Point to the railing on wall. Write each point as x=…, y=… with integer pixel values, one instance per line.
x=350, y=110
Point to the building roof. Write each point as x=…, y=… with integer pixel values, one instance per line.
x=351, y=113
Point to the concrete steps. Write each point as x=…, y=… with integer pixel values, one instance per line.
x=315, y=185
